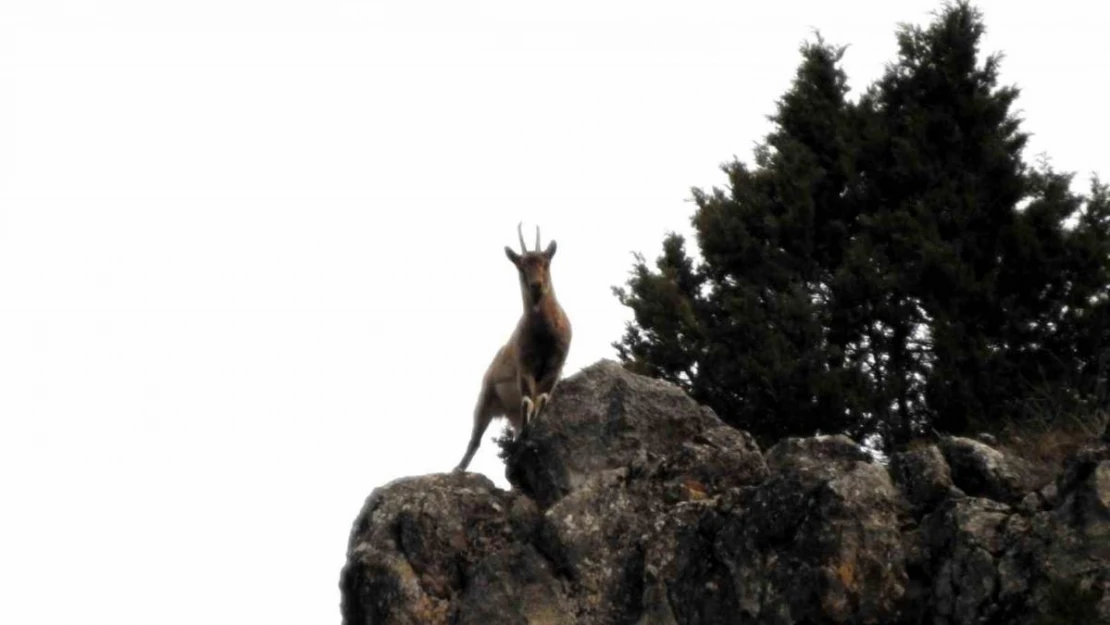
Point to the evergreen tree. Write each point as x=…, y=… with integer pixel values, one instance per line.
x=946, y=177
x=767, y=245
x=1058, y=285
x=887, y=265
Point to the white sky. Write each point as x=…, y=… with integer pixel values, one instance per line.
x=251, y=252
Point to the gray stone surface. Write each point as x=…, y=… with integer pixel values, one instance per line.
x=634, y=505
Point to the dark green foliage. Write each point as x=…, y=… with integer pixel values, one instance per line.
x=886, y=265
x=1069, y=603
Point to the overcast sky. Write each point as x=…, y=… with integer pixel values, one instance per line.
x=251, y=254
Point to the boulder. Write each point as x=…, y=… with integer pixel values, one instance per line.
x=632, y=504
x=448, y=549
x=607, y=418
x=982, y=471
x=922, y=475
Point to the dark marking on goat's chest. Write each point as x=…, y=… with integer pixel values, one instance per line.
x=542, y=347
x=539, y=344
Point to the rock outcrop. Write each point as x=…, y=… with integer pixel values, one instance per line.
x=633, y=504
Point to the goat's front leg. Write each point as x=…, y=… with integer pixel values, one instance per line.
x=547, y=382
x=527, y=405
x=541, y=403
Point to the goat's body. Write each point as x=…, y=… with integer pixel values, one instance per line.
x=500, y=396
x=526, y=368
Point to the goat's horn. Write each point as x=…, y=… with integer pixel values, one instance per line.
x=537, y=238
x=520, y=235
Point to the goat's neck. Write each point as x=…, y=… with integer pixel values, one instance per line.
x=539, y=309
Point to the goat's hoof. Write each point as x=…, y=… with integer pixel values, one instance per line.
x=541, y=403
x=527, y=411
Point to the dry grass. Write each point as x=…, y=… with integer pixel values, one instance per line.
x=1044, y=446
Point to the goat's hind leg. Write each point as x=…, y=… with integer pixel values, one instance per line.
x=483, y=414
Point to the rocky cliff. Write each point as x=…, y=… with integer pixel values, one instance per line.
x=633, y=504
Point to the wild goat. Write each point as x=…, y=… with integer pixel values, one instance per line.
x=519, y=382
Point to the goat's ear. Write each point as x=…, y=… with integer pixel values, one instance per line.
x=550, y=251
x=513, y=256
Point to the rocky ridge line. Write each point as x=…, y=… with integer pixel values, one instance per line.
x=633, y=504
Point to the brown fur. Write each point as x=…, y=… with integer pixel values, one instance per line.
x=519, y=382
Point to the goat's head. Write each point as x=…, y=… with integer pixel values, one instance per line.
x=533, y=266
